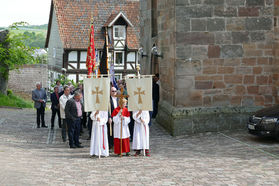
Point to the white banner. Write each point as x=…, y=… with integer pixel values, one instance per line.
x=96, y=94
x=140, y=94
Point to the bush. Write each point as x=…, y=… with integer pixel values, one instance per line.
x=9, y=92
x=64, y=81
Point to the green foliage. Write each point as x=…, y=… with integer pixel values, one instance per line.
x=9, y=92
x=64, y=81
x=16, y=25
x=42, y=59
x=16, y=54
x=21, y=31
x=25, y=26
x=13, y=101
x=34, y=40
x=34, y=27
x=34, y=35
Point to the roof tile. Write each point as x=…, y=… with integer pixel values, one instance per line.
x=73, y=17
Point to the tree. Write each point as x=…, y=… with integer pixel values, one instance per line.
x=33, y=40
x=13, y=54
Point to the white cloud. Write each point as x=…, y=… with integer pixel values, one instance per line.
x=35, y=12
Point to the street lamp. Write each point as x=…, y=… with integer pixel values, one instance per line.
x=141, y=53
x=155, y=51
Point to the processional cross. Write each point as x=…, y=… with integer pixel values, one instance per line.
x=121, y=96
x=97, y=92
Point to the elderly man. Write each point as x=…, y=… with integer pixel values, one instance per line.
x=62, y=101
x=39, y=97
x=73, y=112
x=84, y=114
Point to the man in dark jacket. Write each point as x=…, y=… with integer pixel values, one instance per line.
x=73, y=113
x=155, y=94
x=54, y=97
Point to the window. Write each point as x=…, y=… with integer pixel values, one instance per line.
x=119, y=58
x=118, y=76
x=119, y=32
x=82, y=66
x=83, y=56
x=131, y=57
x=73, y=56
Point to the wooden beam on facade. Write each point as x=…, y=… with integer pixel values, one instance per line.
x=78, y=65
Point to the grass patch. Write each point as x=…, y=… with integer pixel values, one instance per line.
x=14, y=101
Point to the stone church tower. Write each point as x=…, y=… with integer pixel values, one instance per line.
x=217, y=60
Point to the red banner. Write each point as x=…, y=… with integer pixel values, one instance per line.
x=90, y=60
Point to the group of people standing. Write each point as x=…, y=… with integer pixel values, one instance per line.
x=104, y=127
x=67, y=104
x=110, y=129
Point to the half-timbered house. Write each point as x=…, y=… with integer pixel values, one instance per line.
x=68, y=35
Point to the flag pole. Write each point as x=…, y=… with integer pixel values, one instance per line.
x=108, y=71
x=99, y=131
x=91, y=61
x=121, y=134
x=107, y=50
x=138, y=71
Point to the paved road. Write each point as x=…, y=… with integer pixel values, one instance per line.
x=31, y=156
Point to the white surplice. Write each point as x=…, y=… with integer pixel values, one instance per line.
x=141, y=131
x=99, y=137
x=117, y=126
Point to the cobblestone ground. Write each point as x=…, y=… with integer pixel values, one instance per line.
x=31, y=156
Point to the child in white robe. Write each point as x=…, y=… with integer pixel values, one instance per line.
x=99, y=137
x=121, y=113
x=141, y=132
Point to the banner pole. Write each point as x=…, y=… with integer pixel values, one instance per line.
x=107, y=50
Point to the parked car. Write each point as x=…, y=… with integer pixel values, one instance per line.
x=265, y=122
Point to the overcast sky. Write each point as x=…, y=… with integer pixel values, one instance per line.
x=35, y=12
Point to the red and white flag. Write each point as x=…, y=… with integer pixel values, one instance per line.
x=90, y=60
